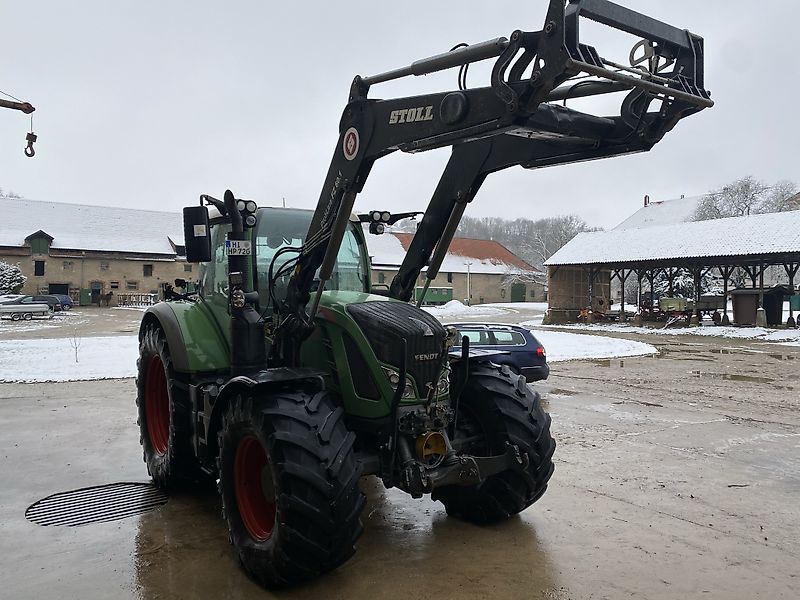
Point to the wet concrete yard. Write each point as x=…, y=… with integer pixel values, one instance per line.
x=677, y=476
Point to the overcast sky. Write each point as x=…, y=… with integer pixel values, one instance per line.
x=149, y=104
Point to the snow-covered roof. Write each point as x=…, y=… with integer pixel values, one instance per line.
x=83, y=227
x=668, y=212
x=775, y=233
x=483, y=256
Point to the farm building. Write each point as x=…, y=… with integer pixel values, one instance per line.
x=91, y=251
x=580, y=273
x=473, y=272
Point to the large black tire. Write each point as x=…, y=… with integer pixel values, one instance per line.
x=164, y=415
x=498, y=405
x=288, y=478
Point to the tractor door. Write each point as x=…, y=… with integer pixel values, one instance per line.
x=215, y=280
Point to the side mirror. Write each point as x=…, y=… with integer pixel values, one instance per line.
x=180, y=283
x=196, y=234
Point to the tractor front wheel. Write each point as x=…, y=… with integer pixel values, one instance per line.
x=288, y=478
x=497, y=408
x=164, y=415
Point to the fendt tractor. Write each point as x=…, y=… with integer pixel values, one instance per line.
x=286, y=377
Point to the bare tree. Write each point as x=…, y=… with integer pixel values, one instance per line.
x=784, y=196
x=75, y=342
x=747, y=196
x=533, y=241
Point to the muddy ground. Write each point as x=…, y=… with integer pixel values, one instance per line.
x=677, y=476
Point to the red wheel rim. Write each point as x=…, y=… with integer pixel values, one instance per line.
x=255, y=496
x=156, y=405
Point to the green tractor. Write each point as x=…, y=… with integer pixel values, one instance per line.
x=286, y=377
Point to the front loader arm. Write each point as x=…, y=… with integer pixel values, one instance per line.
x=514, y=121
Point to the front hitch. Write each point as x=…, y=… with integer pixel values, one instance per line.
x=461, y=470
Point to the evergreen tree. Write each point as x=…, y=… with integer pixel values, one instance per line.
x=11, y=278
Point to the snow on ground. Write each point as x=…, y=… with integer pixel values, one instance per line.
x=42, y=323
x=516, y=306
x=791, y=336
x=53, y=359
x=561, y=346
x=454, y=308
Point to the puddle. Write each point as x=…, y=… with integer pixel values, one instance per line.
x=561, y=392
x=615, y=363
x=735, y=351
x=732, y=377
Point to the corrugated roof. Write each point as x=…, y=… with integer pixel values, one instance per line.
x=83, y=227
x=484, y=256
x=667, y=212
x=775, y=233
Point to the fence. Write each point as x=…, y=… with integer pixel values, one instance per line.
x=136, y=299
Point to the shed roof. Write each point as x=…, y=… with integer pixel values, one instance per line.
x=666, y=212
x=752, y=236
x=84, y=227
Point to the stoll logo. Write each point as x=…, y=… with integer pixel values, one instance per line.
x=411, y=115
x=431, y=356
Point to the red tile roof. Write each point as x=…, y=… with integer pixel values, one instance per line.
x=490, y=250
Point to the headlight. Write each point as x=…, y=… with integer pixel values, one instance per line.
x=394, y=379
x=443, y=386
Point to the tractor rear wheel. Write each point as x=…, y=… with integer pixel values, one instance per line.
x=497, y=408
x=164, y=415
x=288, y=478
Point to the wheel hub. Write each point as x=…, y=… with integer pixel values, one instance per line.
x=255, y=494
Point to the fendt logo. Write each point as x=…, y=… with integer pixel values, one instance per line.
x=431, y=356
x=411, y=115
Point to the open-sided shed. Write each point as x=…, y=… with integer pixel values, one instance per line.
x=581, y=271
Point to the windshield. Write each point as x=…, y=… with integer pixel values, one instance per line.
x=280, y=228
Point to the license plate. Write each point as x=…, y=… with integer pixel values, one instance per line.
x=237, y=247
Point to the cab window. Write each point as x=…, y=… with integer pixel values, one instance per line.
x=281, y=229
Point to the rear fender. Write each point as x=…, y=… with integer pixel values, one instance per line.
x=196, y=342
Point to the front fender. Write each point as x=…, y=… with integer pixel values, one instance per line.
x=196, y=342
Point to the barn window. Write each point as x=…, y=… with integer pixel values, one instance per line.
x=187, y=268
x=114, y=285
x=131, y=285
x=38, y=268
x=147, y=270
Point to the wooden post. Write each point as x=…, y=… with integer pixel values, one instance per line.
x=639, y=277
x=726, y=272
x=623, y=278
x=791, y=271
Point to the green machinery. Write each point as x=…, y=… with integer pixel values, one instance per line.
x=286, y=377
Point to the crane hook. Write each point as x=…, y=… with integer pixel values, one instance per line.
x=30, y=138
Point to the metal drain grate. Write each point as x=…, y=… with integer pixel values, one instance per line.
x=96, y=504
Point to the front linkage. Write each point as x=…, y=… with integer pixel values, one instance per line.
x=512, y=122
